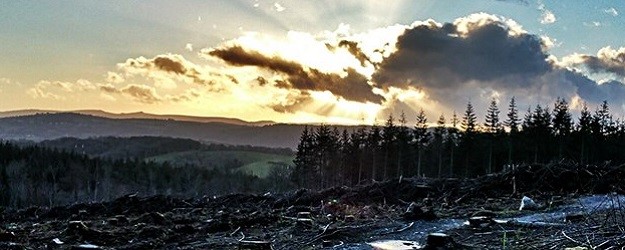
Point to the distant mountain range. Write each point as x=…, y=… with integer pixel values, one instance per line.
x=38, y=125
x=137, y=115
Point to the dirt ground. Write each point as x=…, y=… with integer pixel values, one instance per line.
x=339, y=217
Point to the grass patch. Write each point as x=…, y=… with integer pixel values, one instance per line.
x=254, y=163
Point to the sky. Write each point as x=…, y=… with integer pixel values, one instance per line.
x=335, y=62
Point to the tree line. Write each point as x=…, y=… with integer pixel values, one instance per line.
x=458, y=147
x=33, y=175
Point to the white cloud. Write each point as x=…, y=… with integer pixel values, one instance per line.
x=112, y=77
x=611, y=11
x=592, y=24
x=5, y=80
x=547, y=17
x=189, y=47
x=278, y=7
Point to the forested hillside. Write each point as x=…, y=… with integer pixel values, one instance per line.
x=34, y=175
x=123, y=147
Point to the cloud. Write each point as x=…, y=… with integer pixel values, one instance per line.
x=145, y=94
x=353, y=86
x=278, y=7
x=480, y=56
x=189, y=47
x=611, y=11
x=188, y=95
x=607, y=60
x=292, y=103
x=108, y=88
x=547, y=17
x=353, y=48
x=480, y=47
x=592, y=24
x=51, y=89
x=112, y=77
x=5, y=81
x=166, y=69
x=39, y=91
x=141, y=93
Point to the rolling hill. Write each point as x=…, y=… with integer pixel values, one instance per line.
x=39, y=127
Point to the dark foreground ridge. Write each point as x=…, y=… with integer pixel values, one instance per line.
x=338, y=217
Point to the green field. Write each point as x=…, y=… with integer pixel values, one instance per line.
x=259, y=164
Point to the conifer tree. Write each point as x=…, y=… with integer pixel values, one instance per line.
x=562, y=123
x=492, y=124
x=439, y=135
x=469, y=120
x=512, y=121
x=422, y=137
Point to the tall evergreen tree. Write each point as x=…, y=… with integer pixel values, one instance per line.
x=584, y=128
x=539, y=130
x=512, y=121
x=562, y=123
x=453, y=137
x=422, y=137
x=303, y=173
x=469, y=120
x=374, y=140
x=562, y=119
x=403, y=144
x=492, y=127
x=603, y=119
x=469, y=125
x=492, y=124
x=389, y=139
x=439, y=135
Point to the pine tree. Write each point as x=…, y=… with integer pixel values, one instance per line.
x=562, y=119
x=452, y=141
x=585, y=120
x=512, y=122
x=403, y=144
x=422, y=137
x=562, y=123
x=304, y=160
x=439, y=135
x=584, y=128
x=469, y=120
x=492, y=124
x=389, y=138
x=603, y=119
x=374, y=139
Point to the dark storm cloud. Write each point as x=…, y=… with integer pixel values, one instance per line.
x=353, y=87
x=441, y=57
x=353, y=48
